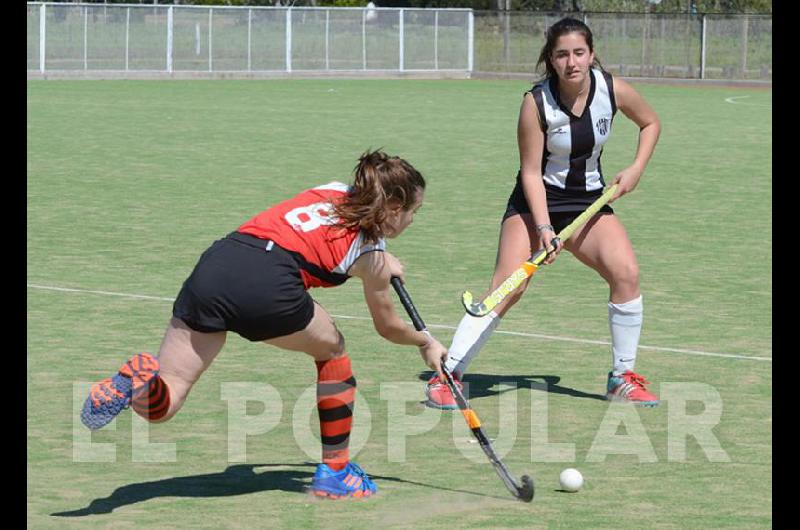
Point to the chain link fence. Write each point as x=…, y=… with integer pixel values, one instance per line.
x=92, y=38
x=731, y=47
x=169, y=39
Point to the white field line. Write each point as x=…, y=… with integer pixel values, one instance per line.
x=734, y=98
x=107, y=293
x=438, y=326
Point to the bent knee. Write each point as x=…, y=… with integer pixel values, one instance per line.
x=630, y=274
x=329, y=348
x=626, y=277
x=339, y=348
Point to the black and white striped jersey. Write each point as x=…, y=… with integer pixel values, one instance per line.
x=573, y=144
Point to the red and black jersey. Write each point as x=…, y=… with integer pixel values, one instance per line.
x=306, y=226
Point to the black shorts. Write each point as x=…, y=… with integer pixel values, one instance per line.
x=238, y=285
x=563, y=206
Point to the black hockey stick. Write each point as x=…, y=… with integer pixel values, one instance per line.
x=522, y=492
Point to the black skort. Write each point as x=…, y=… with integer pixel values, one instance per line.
x=238, y=285
x=563, y=206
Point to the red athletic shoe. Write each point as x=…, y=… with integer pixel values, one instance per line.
x=629, y=386
x=439, y=394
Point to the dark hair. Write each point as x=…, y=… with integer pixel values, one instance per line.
x=380, y=180
x=560, y=28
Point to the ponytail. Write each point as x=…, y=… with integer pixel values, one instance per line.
x=380, y=182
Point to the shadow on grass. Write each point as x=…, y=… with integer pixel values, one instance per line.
x=482, y=385
x=239, y=479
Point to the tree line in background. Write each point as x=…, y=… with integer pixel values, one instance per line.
x=622, y=6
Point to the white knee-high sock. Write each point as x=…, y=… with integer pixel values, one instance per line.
x=471, y=334
x=625, y=321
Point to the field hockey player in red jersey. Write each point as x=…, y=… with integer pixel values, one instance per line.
x=255, y=282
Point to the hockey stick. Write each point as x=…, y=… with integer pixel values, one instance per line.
x=527, y=269
x=522, y=492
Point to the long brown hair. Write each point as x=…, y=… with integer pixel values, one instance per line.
x=560, y=28
x=379, y=179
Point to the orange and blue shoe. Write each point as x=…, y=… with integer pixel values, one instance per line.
x=629, y=387
x=350, y=481
x=439, y=394
x=112, y=395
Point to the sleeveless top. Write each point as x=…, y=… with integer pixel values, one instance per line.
x=573, y=144
x=306, y=226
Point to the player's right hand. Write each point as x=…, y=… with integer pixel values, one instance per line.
x=546, y=238
x=433, y=353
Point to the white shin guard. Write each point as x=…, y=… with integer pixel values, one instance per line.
x=625, y=321
x=471, y=334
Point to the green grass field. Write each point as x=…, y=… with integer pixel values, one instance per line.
x=128, y=182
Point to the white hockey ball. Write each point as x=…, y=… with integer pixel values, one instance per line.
x=571, y=480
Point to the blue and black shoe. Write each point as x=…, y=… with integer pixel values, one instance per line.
x=112, y=395
x=350, y=481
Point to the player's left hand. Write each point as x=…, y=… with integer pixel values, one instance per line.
x=627, y=179
x=393, y=266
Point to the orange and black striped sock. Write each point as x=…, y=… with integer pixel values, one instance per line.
x=336, y=389
x=152, y=402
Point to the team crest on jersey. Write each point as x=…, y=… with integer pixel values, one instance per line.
x=602, y=126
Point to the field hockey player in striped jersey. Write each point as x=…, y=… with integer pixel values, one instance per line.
x=564, y=122
x=254, y=282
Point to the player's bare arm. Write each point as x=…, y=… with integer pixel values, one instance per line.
x=530, y=140
x=375, y=269
x=639, y=111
